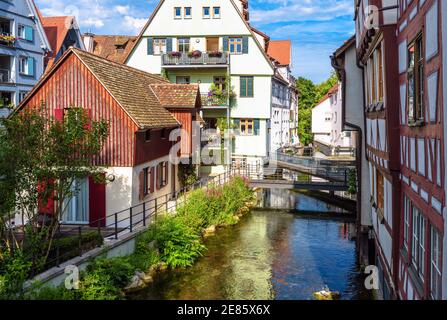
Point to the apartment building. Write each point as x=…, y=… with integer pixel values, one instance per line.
x=212, y=44
x=23, y=45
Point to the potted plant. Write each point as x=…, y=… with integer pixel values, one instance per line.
x=215, y=54
x=195, y=54
x=175, y=54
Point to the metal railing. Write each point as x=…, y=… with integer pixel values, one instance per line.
x=126, y=221
x=336, y=170
x=205, y=58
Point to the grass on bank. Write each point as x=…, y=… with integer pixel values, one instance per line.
x=179, y=240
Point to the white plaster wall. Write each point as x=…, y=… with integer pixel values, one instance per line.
x=319, y=125
x=118, y=192
x=257, y=107
x=253, y=145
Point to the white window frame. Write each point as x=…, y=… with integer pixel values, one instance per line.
x=187, y=16
x=177, y=16
x=159, y=46
x=206, y=16
x=216, y=16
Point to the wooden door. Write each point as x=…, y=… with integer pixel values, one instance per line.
x=212, y=44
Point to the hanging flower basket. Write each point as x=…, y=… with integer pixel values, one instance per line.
x=195, y=54
x=175, y=54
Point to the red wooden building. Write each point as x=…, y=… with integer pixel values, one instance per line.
x=136, y=152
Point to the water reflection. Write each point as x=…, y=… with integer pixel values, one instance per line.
x=291, y=199
x=269, y=255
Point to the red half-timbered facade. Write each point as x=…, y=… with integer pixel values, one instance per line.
x=136, y=151
x=422, y=149
x=400, y=48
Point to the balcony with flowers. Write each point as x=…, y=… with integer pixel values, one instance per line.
x=195, y=58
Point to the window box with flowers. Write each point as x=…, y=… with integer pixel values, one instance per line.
x=215, y=54
x=7, y=39
x=195, y=54
x=174, y=54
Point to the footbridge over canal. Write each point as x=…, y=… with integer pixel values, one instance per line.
x=296, y=172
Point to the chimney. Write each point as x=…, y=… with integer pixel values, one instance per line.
x=89, y=41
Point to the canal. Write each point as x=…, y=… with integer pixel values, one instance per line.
x=271, y=254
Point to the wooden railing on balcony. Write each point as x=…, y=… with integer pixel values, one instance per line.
x=206, y=58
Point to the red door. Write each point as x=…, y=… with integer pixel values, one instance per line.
x=97, y=203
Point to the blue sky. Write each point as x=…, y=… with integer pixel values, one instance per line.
x=316, y=27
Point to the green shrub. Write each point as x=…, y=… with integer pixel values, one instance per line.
x=179, y=245
x=14, y=270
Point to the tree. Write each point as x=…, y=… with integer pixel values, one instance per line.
x=306, y=102
x=323, y=88
x=40, y=159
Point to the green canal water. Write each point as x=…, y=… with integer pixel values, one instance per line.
x=271, y=254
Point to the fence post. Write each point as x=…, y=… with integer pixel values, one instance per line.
x=156, y=207
x=57, y=256
x=99, y=230
x=144, y=214
x=116, y=225
x=130, y=220
x=80, y=240
x=166, y=202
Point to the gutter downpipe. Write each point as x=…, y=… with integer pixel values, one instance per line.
x=359, y=150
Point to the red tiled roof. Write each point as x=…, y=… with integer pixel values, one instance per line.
x=56, y=29
x=113, y=48
x=331, y=91
x=176, y=95
x=281, y=51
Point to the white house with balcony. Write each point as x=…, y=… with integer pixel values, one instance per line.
x=23, y=45
x=212, y=44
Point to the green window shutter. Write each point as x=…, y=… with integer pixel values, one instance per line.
x=29, y=33
x=150, y=46
x=243, y=86
x=257, y=126
x=31, y=66
x=245, y=44
x=169, y=45
x=249, y=86
x=225, y=44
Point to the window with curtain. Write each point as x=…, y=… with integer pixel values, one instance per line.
x=415, y=81
x=76, y=208
x=159, y=46
x=418, y=242
x=183, y=45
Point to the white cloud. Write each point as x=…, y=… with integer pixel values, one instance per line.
x=122, y=9
x=134, y=24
